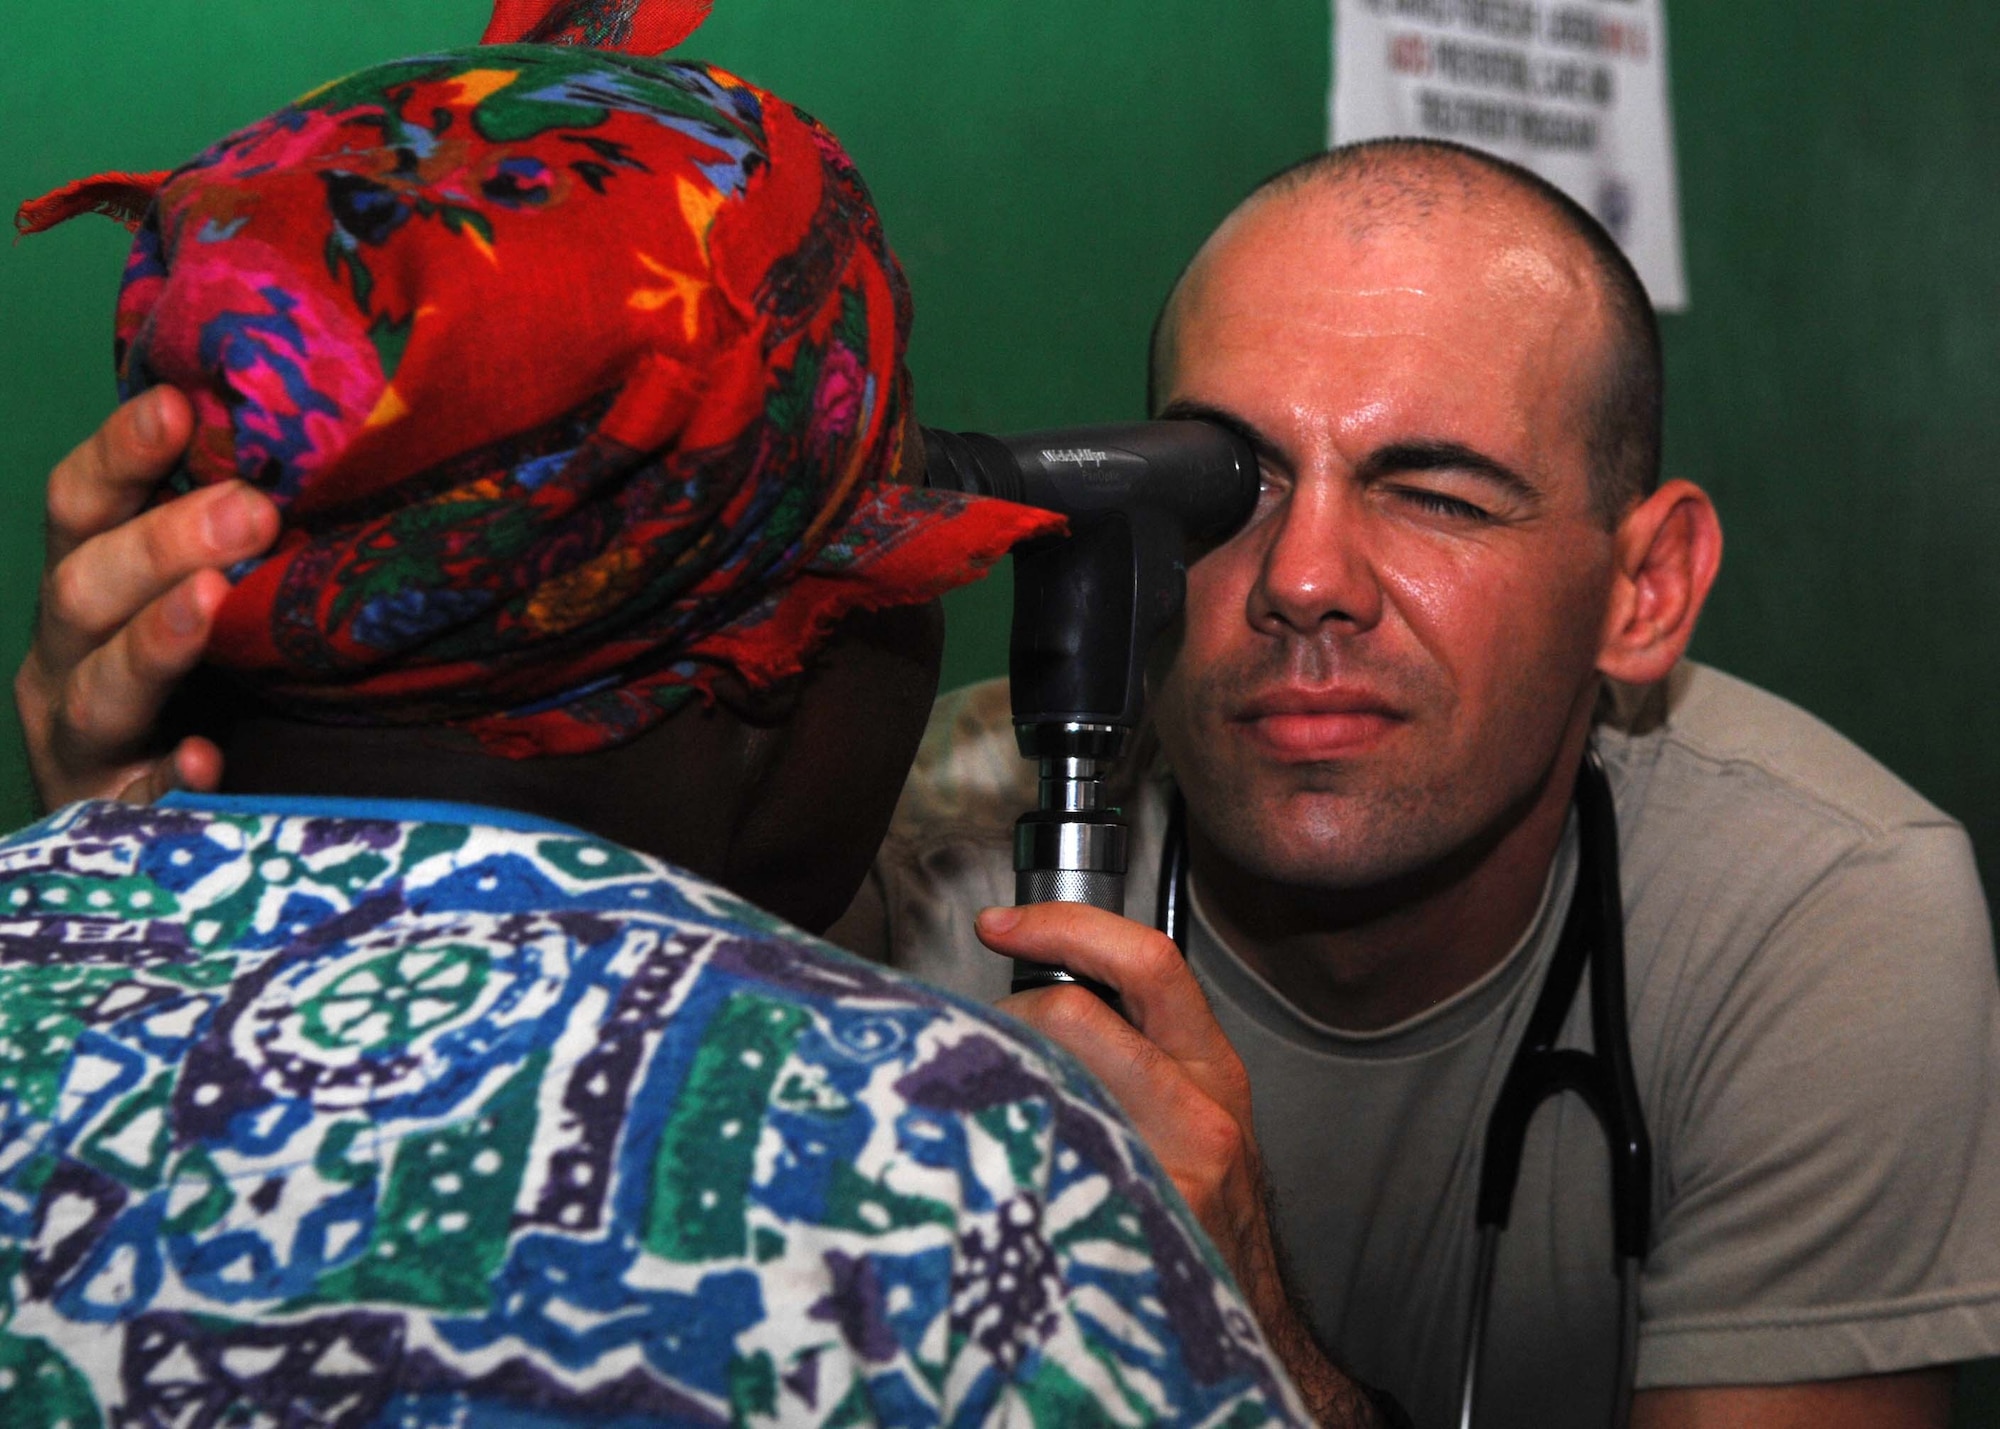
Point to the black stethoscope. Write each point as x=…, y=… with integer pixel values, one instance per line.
x=1593, y=936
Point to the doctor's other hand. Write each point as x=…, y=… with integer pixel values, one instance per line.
x=128, y=597
x=1175, y=1074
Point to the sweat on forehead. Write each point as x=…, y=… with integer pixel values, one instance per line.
x=1407, y=192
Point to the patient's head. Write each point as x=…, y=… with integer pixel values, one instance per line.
x=578, y=379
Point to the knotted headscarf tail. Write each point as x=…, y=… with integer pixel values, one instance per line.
x=118, y=196
x=576, y=375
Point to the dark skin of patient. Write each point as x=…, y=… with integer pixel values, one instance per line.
x=781, y=796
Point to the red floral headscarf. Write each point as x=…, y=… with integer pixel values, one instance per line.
x=577, y=375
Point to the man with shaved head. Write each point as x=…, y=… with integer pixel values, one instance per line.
x=1463, y=576
x=1464, y=572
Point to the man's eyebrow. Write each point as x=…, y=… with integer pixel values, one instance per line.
x=1267, y=450
x=1408, y=456
x=1448, y=456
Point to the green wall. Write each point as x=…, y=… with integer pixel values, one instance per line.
x=1836, y=382
x=1045, y=166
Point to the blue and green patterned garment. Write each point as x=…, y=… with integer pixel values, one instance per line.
x=310, y=1118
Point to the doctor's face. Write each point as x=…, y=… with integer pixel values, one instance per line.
x=1381, y=673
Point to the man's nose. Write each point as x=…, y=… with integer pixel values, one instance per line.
x=1317, y=570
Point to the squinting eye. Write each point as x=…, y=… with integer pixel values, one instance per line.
x=1438, y=504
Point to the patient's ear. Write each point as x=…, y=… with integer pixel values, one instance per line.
x=1667, y=550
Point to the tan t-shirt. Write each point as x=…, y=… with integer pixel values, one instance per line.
x=1815, y=1025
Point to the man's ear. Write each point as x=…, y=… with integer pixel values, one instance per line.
x=1668, y=549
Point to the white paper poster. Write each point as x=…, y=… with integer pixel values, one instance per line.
x=1574, y=89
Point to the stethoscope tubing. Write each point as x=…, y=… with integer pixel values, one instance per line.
x=1592, y=937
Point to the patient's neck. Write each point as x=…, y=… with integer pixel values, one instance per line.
x=780, y=794
x=697, y=790
x=268, y=755
x=643, y=794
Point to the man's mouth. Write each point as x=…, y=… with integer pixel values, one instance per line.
x=1297, y=725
